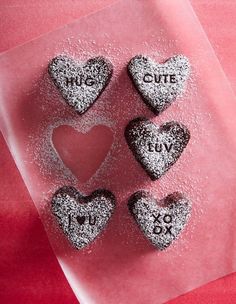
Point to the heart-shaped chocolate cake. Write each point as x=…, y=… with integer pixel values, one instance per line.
x=82, y=218
x=156, y=149
x=80, y=83
x=159, y=84
x=161, y=222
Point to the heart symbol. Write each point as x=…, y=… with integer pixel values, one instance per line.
x=156, y=149
x=82, y=218
x=80, y=83
x=159, y=84
x=161, y=222
x=82, y=153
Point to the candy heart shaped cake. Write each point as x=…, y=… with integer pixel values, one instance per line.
x=159, y=84
x=161, y=222
x=82, y=218
x=156, y=148
x=80, y=83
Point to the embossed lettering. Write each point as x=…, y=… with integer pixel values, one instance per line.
x=167, y=218
x=168, y=230
x=157, y=230
x=158, y=78
x=159, y=147
x=156, y=218
x=92, y=220
x=78, y=81
x=147, y=78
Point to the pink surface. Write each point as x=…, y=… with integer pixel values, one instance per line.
x=10, y=196
x=87, y=160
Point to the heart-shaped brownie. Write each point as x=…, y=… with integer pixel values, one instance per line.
x=161, y=222
x=156, y=149
x=82, y=218
x=80, y=83
x=159, y=84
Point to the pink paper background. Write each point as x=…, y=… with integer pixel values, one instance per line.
x=7, y=228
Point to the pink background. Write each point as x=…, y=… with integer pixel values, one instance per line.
x=29, y=270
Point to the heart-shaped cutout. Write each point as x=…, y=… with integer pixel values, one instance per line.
x=82, y=153
x=159, y=84
x=80, y=83
x=82, y=218
x=156, y=149
x=161, y=222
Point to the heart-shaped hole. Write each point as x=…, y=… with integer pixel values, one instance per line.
x=82, y=153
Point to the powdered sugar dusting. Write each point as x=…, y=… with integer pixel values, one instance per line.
x=82, y=218
x=157, y=149
x=80, y=84
x=113, y=109
x=159, y=84
x=160, y=222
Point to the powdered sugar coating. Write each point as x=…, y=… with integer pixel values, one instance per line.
x=159, y=84
x=161, y=222
x=80, y=84
x=156, y=149
x=82, y=218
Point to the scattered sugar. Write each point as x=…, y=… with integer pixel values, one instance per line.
x=80, y=84
x=159, y=84
x=157, y=149
x=82, y=218
x=115, y=109
x=160, y=222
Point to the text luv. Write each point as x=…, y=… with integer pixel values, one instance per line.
x=159, y=147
